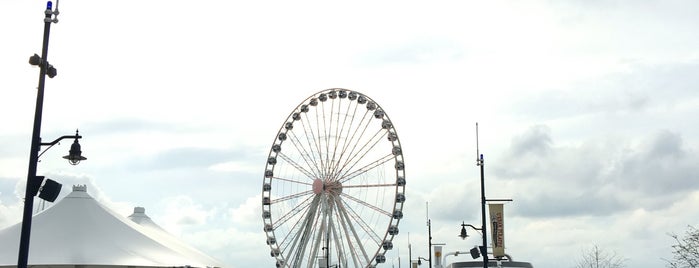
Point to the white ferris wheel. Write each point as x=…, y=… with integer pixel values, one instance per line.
x=334, y=183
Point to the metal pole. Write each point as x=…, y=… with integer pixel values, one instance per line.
x=35, y=147
x=485, y=233
x=327, y=248
x=410, y=253
x=429, y=233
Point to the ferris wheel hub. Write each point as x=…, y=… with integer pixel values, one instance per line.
x=332, y=187
x=318, y=186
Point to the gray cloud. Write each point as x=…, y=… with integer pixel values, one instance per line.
x=598, y=178
x=564, y=204
x=660, y=166
x=535, y=142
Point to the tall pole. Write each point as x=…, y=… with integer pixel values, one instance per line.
x=35, y=146
x=485, y=233
x=410, y=253
x=479, y=162
x=429, y=233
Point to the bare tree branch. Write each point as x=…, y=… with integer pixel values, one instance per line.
x=685, y=254
x=598, y=258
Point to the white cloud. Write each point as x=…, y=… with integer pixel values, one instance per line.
x=182, y=211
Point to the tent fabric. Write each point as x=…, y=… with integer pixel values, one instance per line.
x=139, y=216
x=79, y=231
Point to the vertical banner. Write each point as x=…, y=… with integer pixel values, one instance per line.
x=497, y=227
x=437, y=256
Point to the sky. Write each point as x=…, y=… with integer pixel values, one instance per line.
x=586, y=111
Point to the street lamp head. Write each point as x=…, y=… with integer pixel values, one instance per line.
x=51, y=71
x=75, y=154
x=420, y=259
x=35, y=60
x=463, y=234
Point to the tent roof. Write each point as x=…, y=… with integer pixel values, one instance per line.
x=78, y=230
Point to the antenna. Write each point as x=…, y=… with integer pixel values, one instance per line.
x=479, y=156
x=55, y=13
x=427, y=213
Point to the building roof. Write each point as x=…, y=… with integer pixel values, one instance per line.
x=78, y=230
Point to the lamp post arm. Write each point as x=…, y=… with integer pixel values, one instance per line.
x=474, y=227
x=61, y=138
x=51, y=144
x=444, y=259
x=424, y=259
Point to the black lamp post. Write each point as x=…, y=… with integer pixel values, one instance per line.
x=484, y=233
x=464, y=234
x=420, y=259
x=429, y=246
x=484, y=248
x=50, y=189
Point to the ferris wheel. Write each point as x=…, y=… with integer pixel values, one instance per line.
x=334, y=183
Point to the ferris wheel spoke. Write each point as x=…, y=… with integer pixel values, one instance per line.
x=363, y=125
x=336, y=239
x=305, y=155
x=292, y=181
x=311, y=140
x=339, y=131
x=346, y=232
x=302, y=236
x=336, y=135
x=303, y=206
x=296, y=165
x=316, y=242
x=347, y=220
x=366, y=168
x=367, y=229
x=345, y=145
x=351, y=142
x=293, y=196
x=319, y=146
x=369, y=185
x=365, y=149
x=294, y=239
x=327, y=126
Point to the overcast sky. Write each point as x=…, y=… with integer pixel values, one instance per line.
x=587, y=113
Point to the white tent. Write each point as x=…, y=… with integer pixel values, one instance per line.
x=79, y=231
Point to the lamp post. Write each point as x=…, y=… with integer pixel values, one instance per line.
x=74, y=156
x=484, y=248
x=420, y=259
x=429, y=246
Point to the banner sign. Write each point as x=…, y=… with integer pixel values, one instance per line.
x=437, y=256
x=497, y=227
